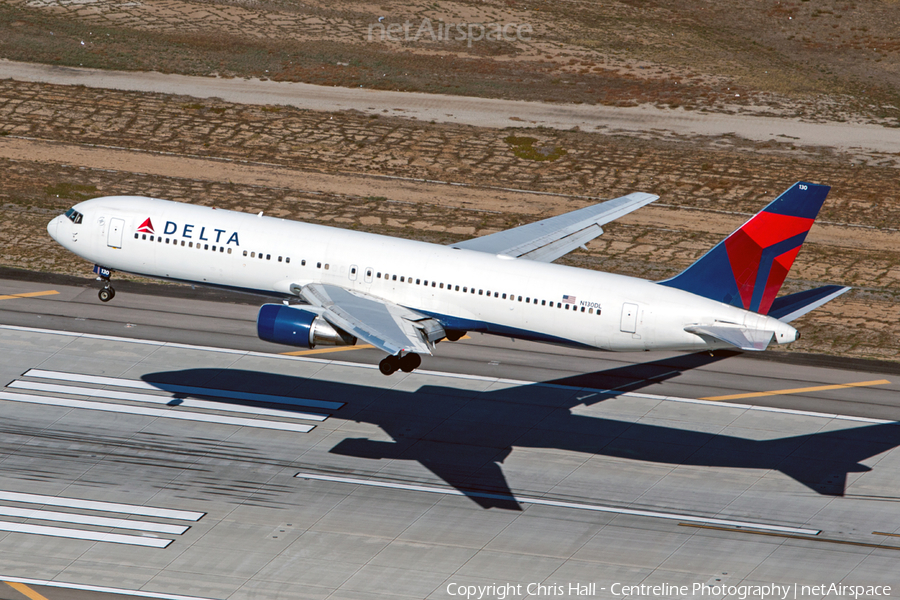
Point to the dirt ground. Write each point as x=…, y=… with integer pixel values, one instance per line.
x=64, y=144
x=828, y=59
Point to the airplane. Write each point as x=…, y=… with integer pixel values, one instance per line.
x=339, y=287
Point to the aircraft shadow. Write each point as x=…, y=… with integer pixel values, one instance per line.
x=464, y=436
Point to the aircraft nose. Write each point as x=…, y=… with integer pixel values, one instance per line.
x=52, y=226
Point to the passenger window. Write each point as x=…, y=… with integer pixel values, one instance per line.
x=136, y=235
x=353, y=270
x=287, y=259
x=590, y=311
x=206, y=246
x=190, y=244
x=465, y=289
x=326, y=266
x=433, y=284
x=418, y=281
x=481, y=292
x=318, y=265
x=582, y=309
x=167, y=240
x=144, y=236
x=567, y=307
x=151, y=238
x=253, y=255
x=222, y=249
x=182, y=243
x=159, y=239
x=527, y=300
x=559, y=305
x=543, y=302
x=504, y=297
x=378, y=275
x=442, y=286
x=520, y=298
x=245, y=253
x=402, y=279
x=213, y=248
x=457, y=288
x=394, y=278
x=229, y=250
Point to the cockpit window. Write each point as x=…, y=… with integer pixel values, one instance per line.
x=74, y=216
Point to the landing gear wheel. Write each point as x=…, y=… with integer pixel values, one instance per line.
x=410, y=363
x=389, y=365
x=106, y=294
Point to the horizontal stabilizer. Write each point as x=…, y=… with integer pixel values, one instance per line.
x=794, y=306
x=547, y=240
x=754, y=340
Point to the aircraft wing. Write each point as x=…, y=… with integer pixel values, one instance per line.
x=547, y=240
x=754, y=340
x=385, y=325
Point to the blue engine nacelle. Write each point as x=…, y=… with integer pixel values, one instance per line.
x=294, y=326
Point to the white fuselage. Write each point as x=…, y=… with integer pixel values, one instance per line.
x=465, y=289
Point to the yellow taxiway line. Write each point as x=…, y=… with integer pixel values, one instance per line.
x=330, y=349
x=25, y=590
x=821, y=388
x=29, y=295
x=339, y=349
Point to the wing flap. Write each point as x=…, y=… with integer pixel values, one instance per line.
x=547, y=240
x=754, y=340
x=385, y=325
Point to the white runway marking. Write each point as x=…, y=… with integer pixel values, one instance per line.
x=100, y=589
x=110, y=507
x=46, y=515
x=725, y=405
x=543, y=502
x=79, y=534
x=181, y=389
x=166, y=400
x=157, y=412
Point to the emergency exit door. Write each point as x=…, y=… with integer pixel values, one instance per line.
x=629, y=318
x=116, y=228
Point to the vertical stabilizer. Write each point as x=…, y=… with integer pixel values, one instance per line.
x=747, y=268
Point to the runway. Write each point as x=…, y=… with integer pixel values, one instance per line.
x=155, y=446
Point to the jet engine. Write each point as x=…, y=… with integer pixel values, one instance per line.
x=294, y=326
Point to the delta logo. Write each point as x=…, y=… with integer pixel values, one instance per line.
x=189, y=231
x=146, y=227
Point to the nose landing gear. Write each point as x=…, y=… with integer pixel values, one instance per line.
x=406, y=363
x=106, y=293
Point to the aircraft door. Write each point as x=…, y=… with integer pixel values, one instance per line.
x=369, y=272
x=116, y=229
x=352, y=274
x=629, y=318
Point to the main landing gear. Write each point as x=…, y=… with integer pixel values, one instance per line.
x=406, y=363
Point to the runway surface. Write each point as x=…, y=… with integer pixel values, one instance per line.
x=479, y=112
x=155, y=445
